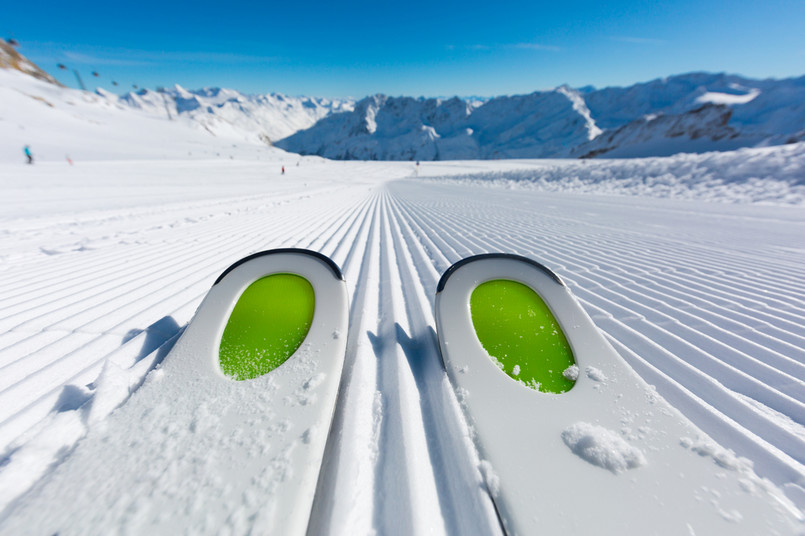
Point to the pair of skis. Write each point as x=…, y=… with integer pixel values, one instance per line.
x=571, y=440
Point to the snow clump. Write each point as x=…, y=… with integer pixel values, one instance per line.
x=596, y=374
x=604, y=448
x=571, y=373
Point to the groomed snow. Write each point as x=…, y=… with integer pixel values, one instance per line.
x=704, y=300
x=697, y=278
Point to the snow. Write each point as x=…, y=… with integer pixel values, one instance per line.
x=604, y=448
x=490, y=478
x=766, y=175
x=595, y=374
x=581, y=108
x=691, y=265
x=571, y=373
x=715, y=97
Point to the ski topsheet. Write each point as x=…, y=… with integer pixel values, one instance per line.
x=571, y=440
x=228, y=435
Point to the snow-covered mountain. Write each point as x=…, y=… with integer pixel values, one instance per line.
x=694, y=112
x=63, y=124
x=388, y=128
x=59, y=123
x=230, y=116
x=403, y=128
x=264, y=118
x=704, y=129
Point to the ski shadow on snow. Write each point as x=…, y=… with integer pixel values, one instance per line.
x=442, y=433
x=156, y=335
x=159, y=337
x=158, y=340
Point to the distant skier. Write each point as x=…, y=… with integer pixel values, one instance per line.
x=283, y=170
x=27, y=151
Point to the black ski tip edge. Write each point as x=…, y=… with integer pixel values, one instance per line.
x=446, y=275
x=323, y=258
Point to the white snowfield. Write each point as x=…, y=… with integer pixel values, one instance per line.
x=695, y=274
x=704, y=300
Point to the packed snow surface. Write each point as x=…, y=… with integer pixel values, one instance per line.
x=695, y=274
x=104, y=262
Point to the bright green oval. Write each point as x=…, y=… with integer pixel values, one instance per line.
x=270, y=320
x=519, y=332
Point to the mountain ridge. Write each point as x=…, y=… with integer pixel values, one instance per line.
x=566, y=122
x=262, y=117
x=693, y=112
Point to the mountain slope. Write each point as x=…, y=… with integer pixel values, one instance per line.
x=697, y=131
x=694, y=112
x=260, y=118
x=542, y=124
x=60, y=123
x=225, y=115
x=11, y=59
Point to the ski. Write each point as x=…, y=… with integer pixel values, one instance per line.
x=228, y=435
x=571, y=440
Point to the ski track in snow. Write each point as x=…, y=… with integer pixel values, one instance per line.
x=705, y=301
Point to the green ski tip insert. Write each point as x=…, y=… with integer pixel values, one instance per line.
x=269, y=323
x=519, y=332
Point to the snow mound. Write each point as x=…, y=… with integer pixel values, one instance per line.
x=571, y=373
x=768, y=175
x=597, y=375
x=601, y=447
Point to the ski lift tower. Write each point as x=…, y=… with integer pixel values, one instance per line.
x=77, y=76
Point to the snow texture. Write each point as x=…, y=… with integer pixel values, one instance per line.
x=604, y=448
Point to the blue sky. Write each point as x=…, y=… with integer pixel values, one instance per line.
x=418, y=48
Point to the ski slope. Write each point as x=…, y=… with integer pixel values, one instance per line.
x=104, y=263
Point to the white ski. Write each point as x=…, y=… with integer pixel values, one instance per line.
x=608, y=456
x=194, y=450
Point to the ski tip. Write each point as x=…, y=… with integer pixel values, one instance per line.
x=323, y=258
x=511, y=256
